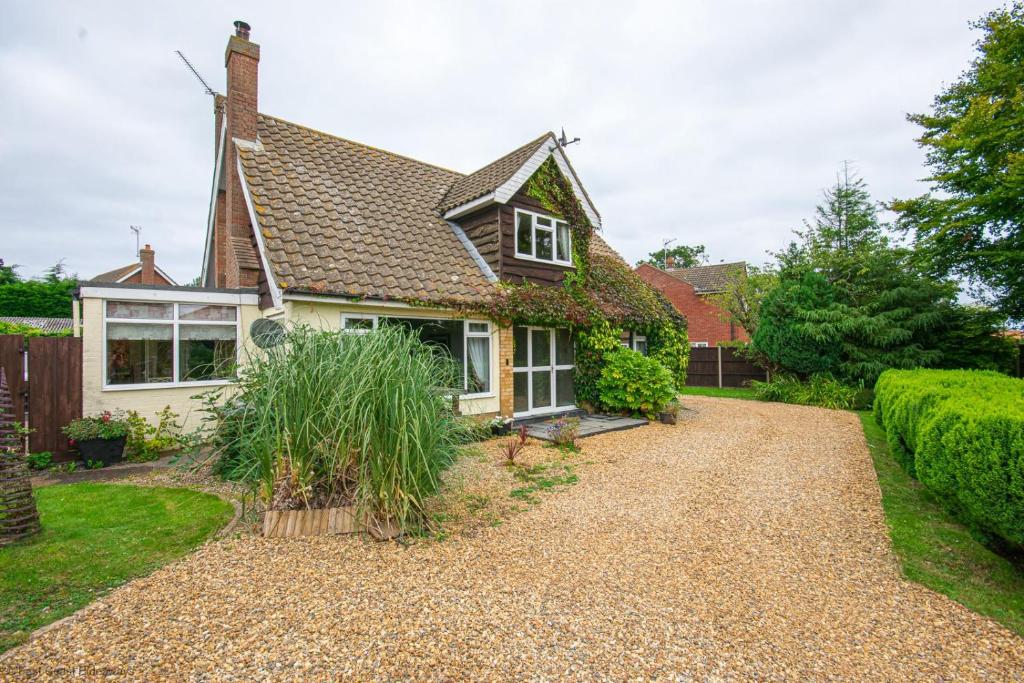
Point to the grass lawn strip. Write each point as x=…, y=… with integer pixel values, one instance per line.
x=723, y=392
x=96, y=537
x=936, y=550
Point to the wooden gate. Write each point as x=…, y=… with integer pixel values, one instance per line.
x=45, y=378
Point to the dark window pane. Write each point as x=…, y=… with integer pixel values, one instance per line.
x=206, y=352
x=564, y=354
x=139, y=354
x=520, y=335
x=545, y=244
x=446, y=335
x=541, y=389
x=520, y=399
x=524, y=234
x=641, y=346
x=541, y=348
x=565, y=390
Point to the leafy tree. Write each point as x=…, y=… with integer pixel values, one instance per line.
x=970, y=223
x=745, y=290
x=684, y=256
x=971, y=337
x=783, y=334
x=47, y=297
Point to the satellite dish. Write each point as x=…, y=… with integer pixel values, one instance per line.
x=266, y=333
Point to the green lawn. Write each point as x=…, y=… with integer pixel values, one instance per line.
x=939, y=552
x=725, y=392
x=96, y=537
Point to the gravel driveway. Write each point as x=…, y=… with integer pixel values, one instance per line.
x=747, y=541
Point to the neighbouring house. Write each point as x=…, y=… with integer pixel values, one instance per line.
x=142, y=272
x=308, y=227
x=689, y=290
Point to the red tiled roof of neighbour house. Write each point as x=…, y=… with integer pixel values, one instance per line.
x=708, y=279
x=116, y=274
x=492, y=176
x=339, y=217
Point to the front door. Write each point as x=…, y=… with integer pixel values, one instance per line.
x=543, y=365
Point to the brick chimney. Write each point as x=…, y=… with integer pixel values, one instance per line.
x=670, y=261
x=148, y=259
x=235, y=250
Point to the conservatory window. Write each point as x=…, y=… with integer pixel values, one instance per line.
x=169, y=343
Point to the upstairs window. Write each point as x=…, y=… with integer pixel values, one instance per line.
x=543, y=238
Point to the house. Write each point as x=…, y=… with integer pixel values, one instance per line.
x=44, y=325
x=142, y=272
x=689, y=290
x=308, y=227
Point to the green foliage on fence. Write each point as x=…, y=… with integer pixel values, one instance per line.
x=961, y=433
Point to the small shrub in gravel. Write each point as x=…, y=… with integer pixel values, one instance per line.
x=818, y=390
x=635, y=383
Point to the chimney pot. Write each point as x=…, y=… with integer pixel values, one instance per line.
x=242, y=29
x=670, y=261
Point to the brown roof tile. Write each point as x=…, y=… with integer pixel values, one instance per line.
x=713, y=278
x=116, y=274
x=492, y=176
x=344, y=218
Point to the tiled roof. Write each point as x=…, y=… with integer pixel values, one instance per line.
x=599, y=246
x=343, y=218
x=116, y=274
x=44, y=324
x=492, y=176
x=712, y=278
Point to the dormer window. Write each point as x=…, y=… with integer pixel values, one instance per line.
x=542, y=238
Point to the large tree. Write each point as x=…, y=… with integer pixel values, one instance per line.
x=46, y=297
x=684, y=256
x=744, y=291
x=970, y=223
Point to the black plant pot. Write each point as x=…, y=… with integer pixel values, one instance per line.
x=501, y=429
x=107, y=451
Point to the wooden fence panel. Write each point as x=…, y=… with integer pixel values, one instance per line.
x=55, y=391
x=12, y=360
x=735, y=371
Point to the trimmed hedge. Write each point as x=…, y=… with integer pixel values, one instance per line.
x=961, y=434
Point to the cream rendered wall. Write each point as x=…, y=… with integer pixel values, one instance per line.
x=146, y=401
x=327, y=315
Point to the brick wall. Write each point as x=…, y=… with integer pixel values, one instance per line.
x=704, y=322
x=505, y=397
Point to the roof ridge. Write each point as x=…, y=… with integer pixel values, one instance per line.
x=711, y=265
x=535, y=141
x=362, y=144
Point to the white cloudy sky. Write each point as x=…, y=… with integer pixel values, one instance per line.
x=709, y=122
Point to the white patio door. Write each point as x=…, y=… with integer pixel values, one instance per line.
x=543, y=364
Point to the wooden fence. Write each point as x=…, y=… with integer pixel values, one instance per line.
x=720, y=366
x=45, y=378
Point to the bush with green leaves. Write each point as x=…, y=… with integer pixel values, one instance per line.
x=818, y=390
x=105, y=425
x=328, y=419
x=961, y=433
x=635, y=383
x=783, y=333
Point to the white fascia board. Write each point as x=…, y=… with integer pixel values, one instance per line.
x=212, y=213
x=588, y=208
x=375, y=303
x=519, y=178
x=469, y=207
x=173, y=295
x=275, y=291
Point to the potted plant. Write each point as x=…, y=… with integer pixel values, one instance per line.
x=670, y=413
x=500, y=426
x=100, y=438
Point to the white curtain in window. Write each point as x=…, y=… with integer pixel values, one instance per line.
x=478, y=351
x=140, y=331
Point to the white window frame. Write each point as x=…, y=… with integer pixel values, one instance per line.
x=345, y=317
x=699, y=345
x=466, y=333
x=637, y=338
x=553, y=367
x=174, y=322
x=533, y=238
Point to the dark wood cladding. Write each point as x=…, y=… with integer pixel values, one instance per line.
x=54, y=391
x=515, y=269
x=482, y=230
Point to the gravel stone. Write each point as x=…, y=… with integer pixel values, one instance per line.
x=747, y=541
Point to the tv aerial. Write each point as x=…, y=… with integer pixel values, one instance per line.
x=195, y=72
x=563, y=141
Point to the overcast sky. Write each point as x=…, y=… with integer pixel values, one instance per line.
x=713, y=123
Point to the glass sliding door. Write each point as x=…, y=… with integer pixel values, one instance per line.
x=543, y=365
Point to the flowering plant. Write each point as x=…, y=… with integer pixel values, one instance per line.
x=105, y=425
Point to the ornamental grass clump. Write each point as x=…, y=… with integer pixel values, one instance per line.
x=328, y=419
